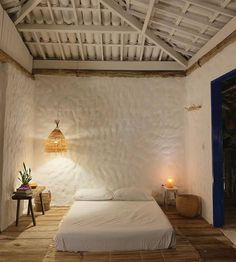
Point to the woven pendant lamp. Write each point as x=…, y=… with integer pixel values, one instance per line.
x=56, y=142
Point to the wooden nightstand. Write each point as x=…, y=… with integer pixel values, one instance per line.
x=168, y=192
x=35, y=192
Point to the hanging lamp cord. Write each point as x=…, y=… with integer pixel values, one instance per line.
x=57, y=123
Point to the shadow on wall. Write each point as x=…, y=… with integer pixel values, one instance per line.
x=118, y=133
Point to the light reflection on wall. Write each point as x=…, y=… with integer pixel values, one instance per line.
x=118, y=132
x=64, y=177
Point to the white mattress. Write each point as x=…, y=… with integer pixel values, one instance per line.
x=114, y=225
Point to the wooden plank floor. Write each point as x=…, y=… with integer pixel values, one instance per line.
x=196, y=241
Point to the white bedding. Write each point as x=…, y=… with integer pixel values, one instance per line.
x=114, y=225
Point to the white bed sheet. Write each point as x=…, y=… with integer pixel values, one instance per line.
x=114, y=225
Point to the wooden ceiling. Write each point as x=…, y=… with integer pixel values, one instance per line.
x=121, y=34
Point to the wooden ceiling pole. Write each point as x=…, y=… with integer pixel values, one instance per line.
x=57, y=34
x=74, y=28
x=226, y=31
x=100, y=35
x=161, y=9
x=109, y=65
x=212, y=7
x=212, y=19
x=171, y=26
x=179, y=19
x=26, y=9
x=39, y=45
x=145, y=25
x=81, y=49
x=136, y=24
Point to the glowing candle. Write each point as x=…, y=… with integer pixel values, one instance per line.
x=170, y=182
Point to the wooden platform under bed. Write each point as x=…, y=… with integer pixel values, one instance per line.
x=196, y=241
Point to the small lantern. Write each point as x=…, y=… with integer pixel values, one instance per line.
x=170, y=183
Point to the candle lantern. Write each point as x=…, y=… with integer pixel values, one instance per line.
x=170, y=183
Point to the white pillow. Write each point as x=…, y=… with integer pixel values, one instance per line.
x=93, y=194
x=132, y=194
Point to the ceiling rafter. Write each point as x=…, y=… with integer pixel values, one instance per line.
x=212, y=19
x=122, y=35
x=26, y=9
x=173, y=13
x=225, y=2
x=228, y=29
x=109, y=65
x=132, y=21
x=57, y=34
x=179, y=19
x=122, y=48
x=39, y=46
x=170, y=25
x=74, y=28
x=212, y=7
x=148, y=15
x=127, y=30
x=184, y=52
x=178, y=39
x=142, y=48
x=85, y=44
x=189, y=17
x=78, y=33
x=182, y=29
x=145, y=25
x=100, y=34
x=197, y=35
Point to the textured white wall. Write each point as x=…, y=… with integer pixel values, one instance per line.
x=18, y=144
x=121, y=132
x=198, y=126
x=2, y=115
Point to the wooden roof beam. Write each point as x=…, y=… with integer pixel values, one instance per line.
x=170, y=25
x=81, y=49
x=74, y=28
x=109, y=65
x=212, y=7
x=174, y=13
x=195, y=19
x=226, y=31
x=145, y=25
x=138, y=26
x=26, y=9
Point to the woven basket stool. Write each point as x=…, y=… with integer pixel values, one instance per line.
x=46, y=202
x=188, y=205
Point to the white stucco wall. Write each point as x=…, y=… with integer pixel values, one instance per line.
x=2, y=115
x=198, y=126
x=17, y=143
x=121, y=132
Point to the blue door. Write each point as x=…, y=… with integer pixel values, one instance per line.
x=217, y=147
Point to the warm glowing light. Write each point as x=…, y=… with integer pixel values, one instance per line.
x=170, y=182
x=56, y=142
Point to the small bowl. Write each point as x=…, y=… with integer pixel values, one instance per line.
x=33, y=186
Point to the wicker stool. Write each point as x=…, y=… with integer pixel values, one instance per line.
x=188, y=205
x=46, y=202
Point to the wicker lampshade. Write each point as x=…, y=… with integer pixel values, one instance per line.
x=56, y=142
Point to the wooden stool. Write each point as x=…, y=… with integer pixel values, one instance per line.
x=35, y=192
x=167, y=193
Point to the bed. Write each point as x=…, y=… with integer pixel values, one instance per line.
x=114, y=225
